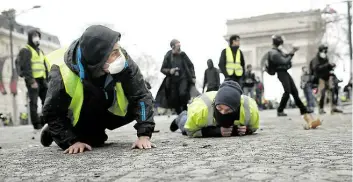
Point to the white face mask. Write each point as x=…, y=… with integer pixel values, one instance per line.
x=118, y=65
x=36, y=40
x=322, y=55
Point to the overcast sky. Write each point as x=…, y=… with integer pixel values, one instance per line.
x=151, y=24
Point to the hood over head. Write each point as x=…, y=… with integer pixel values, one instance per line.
x=30, y=34
x=94, y=46
x=210, y=63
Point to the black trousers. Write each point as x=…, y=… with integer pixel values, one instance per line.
x=91, y=128
x=289, y=88
x=212, y=89
x=179, y=95
x=238, y=79
x=33, y=94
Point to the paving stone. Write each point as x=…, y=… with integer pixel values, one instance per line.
x=282, y=151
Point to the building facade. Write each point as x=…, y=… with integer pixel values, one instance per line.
x=303, y=29
x=48, y=44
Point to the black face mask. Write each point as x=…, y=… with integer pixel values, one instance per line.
x=226, y=120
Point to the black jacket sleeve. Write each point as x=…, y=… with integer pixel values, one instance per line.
x=190, y=65
x=217, y=78
x=323, y=67
x=24, y=57
x=55, y=111
x=211, y=131
x=165, y=66
x=222, y=63
x=278, y=59
x=204, y=80
x=242, y=61
x=139, y=97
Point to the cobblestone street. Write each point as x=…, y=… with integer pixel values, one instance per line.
x=280, y=151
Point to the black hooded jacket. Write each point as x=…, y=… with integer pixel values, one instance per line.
x=98, y=96
x=25, y=56
x=223, y=60
x=320, y=67
x=211, y=77
x=280, y=60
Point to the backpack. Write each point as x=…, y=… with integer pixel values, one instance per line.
x=269, y=66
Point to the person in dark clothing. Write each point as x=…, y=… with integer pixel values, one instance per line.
x=282, y=63
x=306, y=82
x=323, y=70
x=95, y=85
x=180, y=75
x=259, y=92
x=348, y=89
x=211, y=78
x=249, y=82
x=33, y=67
x=231, y=62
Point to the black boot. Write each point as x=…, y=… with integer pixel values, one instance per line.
x=280, y=114
x=45, y=136
x=335, y=110
x=322, y=111
x=173, y=126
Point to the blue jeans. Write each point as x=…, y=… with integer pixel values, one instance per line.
x=181, y=120
x=310, y=99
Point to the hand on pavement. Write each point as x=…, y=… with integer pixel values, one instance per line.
x=77, y=147
x=226, y=132
x=241, y=130
x=143, y=142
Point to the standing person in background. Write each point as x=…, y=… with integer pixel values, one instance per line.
x=323, y=69
x=231, y=62
x=33, y=67
x=281, y=63
x=306, y=85
x=180, y=76
x=259, y=92
x=249, y=82
x=211, y=78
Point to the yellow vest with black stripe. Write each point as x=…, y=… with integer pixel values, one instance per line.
x=200, y=114
x=233, y=67
x=74, y=88
x=38, y=62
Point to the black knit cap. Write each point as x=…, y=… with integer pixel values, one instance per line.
x=229, y=94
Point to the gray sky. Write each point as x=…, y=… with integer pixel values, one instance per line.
x=199, y=25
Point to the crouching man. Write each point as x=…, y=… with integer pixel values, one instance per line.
x=219, y=113
x=94, y=85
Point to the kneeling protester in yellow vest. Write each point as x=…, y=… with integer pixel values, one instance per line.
x=221, y=113
x=94, y=85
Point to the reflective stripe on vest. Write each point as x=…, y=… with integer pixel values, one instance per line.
x=74, y=88
x=246, y=110
x=37, y=63
x=231, y=66
x=210, y=110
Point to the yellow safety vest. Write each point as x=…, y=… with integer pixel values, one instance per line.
x=201, y=114
x=231, y=66
x=74, y=88
x=38, y=62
